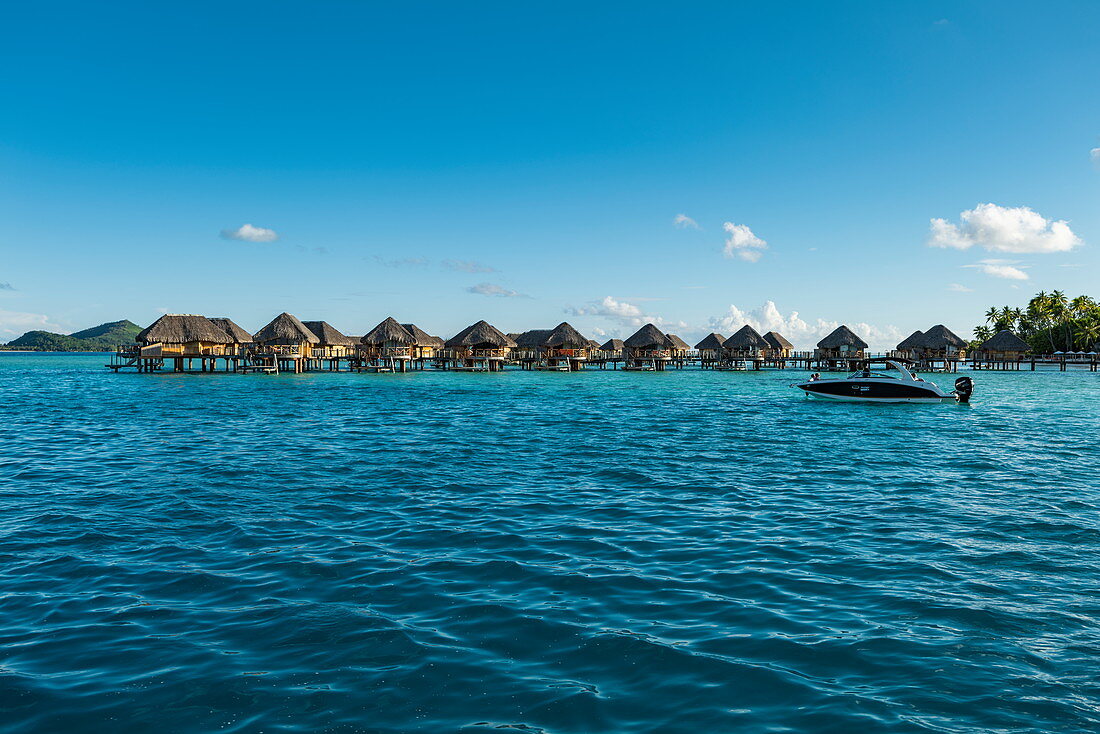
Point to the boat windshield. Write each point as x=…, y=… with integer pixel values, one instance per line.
x=876, y=374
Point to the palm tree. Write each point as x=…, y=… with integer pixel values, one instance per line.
x=1042, y=308
x=1061, y=315
x=1088, y=331
x=1080, y=306
x=992, y=314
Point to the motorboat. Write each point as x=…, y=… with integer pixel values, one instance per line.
x=884, y=381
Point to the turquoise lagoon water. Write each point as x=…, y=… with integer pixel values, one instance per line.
x=680, y=552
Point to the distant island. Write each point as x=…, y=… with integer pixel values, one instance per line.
x=102, y=338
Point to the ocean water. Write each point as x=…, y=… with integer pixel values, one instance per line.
x=597, y=552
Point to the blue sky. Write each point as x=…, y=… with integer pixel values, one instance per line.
x=525, y=163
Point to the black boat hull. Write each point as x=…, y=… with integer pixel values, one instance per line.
x=873, y=391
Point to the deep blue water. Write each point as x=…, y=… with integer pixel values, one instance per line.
x=680, y=552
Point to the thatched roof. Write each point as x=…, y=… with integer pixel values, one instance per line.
x=711, y=341
x=423, y=338
x=593, y=344
x=913, y=341
x=285, y=327
x=842, y=336
x=612, y=345
x=776, y=340
x=237, y=335
x=648, y=336
x=388, y=331
x=565, y=336
x=677, y=342
x=480, y=334
x=328, y=334
x=940, y=337
x=1004, y=341
x=175, y=328
x=531, y=339
x=746, y=338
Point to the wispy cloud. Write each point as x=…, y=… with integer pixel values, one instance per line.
x=1094, y=154
x=6, y=287
x=467, y=266
x=250, y=233
x=802, y=332
x=1000, y=269
x=404, y=262
x=15, y=323
x=683, y=221
x=742, y=243
x=492, y=289
x=1003, y=229
x=959, y=288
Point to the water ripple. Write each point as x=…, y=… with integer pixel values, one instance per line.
x=542, y=553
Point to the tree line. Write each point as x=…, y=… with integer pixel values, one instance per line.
x=1051, y=322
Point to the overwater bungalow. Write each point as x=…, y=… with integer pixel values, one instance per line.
x=286, y=343
x=840, y=348
x=331, y=343
x=479, y=347
x=610, y=352
x=939, y=343
x=1002, y=348
x=564, y=348
x=647, y=349
x=681, y=350
x=779, y=347
x=528, y=345
x=388, y=346
x=745, y=344
x=911, y=346
x=240, y=340
x=426, y=346
x=177, y=337
x=710, y=349
x=612, y=349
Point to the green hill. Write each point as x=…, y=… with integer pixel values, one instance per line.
x=112, y=333
x=102, y=338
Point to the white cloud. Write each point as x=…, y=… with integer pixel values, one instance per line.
x=15, y=323
x=803, y=333
x=623, y=313
x=468, y=266
x=6, y=287
x=683, y=221
x=1003, y=229
x=959, y=288
x=491, y=289
x=1000, y=269
x=743, y=243
x=250, y=233
x=1094, y=154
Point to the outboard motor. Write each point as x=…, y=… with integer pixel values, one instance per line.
x=963, y=387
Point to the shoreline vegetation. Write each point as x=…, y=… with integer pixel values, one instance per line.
x=1050, y=323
